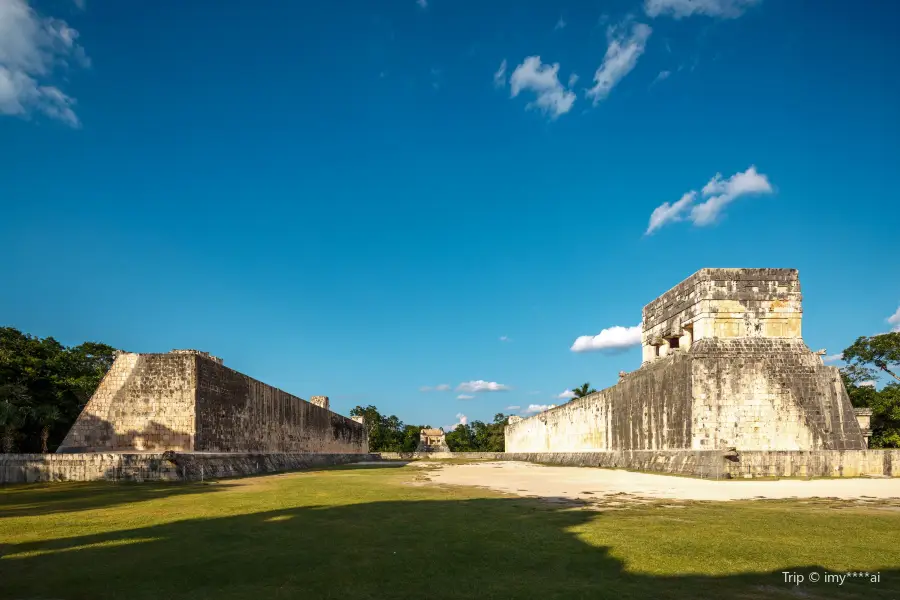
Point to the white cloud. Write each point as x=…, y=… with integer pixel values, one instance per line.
x=613, y=338
x=621, y=57
x=463, y=420
x=542, y=79
x=537, y=408
x=663, y=75
x=464, y=397
x=894, y=320
x=833, y=358
x=867, y=383
x=422, y=3
x=481, y=386
x=443, y=387
x=666, y=212
x=514, y=407
x=504, y=338
x=726, y=9
x=500, y=75
x=719, y=192
x=559, y=24
x=566, y=394
x=31, y=47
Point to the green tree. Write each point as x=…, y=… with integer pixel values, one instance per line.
x=386, y=434
x=14, y=409
x=478, y=436
x=864, y=357
x=57, y=381
x=879, y=351
x=46, y=416
x=583, y=390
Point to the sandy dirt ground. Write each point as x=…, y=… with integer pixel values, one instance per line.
x=575, y=483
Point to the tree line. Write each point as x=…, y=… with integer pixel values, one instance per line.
x=44, y=385
x=390, y=434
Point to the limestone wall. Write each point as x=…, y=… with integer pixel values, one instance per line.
x=724, y=366
x=723, y=303
x=768, y=394
x=236, y=413
x=647, y=409
x=145, y=402
x=188, y=400
x=168, y=466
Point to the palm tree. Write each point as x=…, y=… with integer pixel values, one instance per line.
x=583, y=390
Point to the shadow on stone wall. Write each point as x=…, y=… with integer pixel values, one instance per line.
x=482, y=548
x=98, y=435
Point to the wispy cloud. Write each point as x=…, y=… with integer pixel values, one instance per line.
x=566, y=395
x=868, y=383
x=514, y=407
x=504, y=338
x=561, y=24
x=464, y=397
x=625, y=47
x=613, y=338
x=662, y=76
x=422, y=3
x=537, y=408
x=480, y=385
x=543, y=80
x=443, y=387
x=894, y=320
x=500, y=75
x=719, y=192
x=833, y=358
x=80, y=4
x=31, y=47
x=677, y=9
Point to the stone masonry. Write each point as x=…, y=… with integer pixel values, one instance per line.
x=724, y=366
x=187, y=400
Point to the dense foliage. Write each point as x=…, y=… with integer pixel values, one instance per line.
x=390, y=434
x=864, y=358
x=387, y=434
x=478, y=436
x=43, y=387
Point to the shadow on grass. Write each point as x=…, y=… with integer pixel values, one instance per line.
x=32, y=499
x=499, y=548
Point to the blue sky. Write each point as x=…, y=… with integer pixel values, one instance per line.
x=355, y=199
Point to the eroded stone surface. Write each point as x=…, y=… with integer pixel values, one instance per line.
x=724, y=367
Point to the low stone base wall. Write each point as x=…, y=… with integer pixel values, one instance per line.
x=711, y=464
x=165, y=466
x=443, y=455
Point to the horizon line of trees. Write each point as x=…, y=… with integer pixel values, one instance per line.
x=390, y=434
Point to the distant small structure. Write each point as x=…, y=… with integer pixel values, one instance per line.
x=432, y=440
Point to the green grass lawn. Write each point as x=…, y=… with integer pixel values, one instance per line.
x=370, y=532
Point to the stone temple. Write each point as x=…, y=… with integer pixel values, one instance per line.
x=724, y=366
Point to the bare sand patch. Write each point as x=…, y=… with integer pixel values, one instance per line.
x=588, y=484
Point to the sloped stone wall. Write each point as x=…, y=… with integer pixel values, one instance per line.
x=768, y=394
x=236, y=413
x=144, y=403
x=649, y=409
